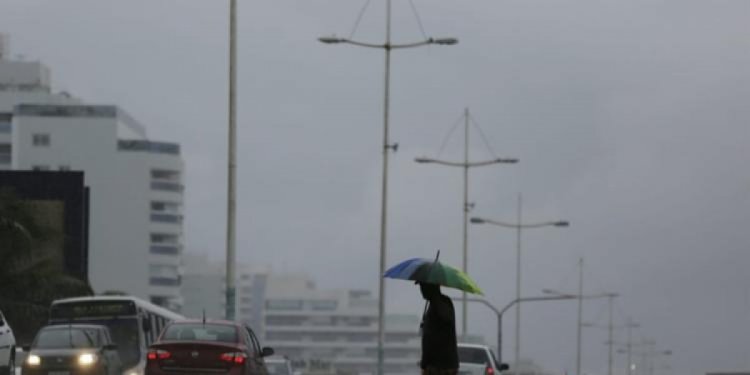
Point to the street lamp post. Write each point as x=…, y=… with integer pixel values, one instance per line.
x=610, y=332
x=232, y=164
x=648, y=355
x=580, y=296
x=499, y=313
x=387, y=147
x=465, y=165
x=519, y=226
x=629, y=326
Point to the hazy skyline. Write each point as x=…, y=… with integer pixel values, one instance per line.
x=630, y=120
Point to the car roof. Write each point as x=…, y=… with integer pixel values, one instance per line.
x=198, y=321
x=86, y=326
x=473, y=346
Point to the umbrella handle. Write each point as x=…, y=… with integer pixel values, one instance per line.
x=427, y=303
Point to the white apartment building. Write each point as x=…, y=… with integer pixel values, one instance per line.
x=136, y=184
x=335, y=331
x=203, y=291
x=202, y=287
x=321, y=331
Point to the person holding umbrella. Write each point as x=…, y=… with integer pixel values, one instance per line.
x=439, y=343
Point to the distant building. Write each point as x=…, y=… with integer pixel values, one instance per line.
x=335, y=331
x=136, y=201
x=321, y=331
x=202, y=288
x=203, y=291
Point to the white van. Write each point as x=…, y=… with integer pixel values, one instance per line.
x=7, y=348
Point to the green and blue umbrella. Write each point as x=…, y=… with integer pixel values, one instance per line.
x=431, y=271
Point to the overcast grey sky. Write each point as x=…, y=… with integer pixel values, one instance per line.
x=630, y=119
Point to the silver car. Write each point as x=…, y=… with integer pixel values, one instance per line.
x=279, y=366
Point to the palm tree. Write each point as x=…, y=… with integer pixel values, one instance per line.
x=30, y=277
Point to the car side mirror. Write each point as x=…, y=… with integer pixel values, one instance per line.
x=266, y=352
x=110, y=347
x=504, y=367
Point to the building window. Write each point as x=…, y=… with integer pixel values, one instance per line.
x=324, y=305
x=164, y=238
x=40, y=139
x=164, y=250
x=284, y=304
x=40, y=167
x=164, y=281
x=164, y=206
x=167, y=270
x=166, y=186
x=6, y=150
x=165, y=175
x=166, y=218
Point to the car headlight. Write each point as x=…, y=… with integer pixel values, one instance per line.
x=86, y=359
x=33, y=360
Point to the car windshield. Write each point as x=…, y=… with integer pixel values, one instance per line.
x=472, y=355
x=201, y=332
x=124, y=333
x=277, y=368
x=67, y=337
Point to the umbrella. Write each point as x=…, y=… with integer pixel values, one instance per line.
x=432, y=272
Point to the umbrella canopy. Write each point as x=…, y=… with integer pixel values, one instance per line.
x=430, y=271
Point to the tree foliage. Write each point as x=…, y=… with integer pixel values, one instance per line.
x=31, y=277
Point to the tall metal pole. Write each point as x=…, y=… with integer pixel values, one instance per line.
x=384, y=197
x=630, y=327
x=519, y=226
x=232, y=163
x=500, y=338
x=465, y=307
x=580, y=317
x=611, y=329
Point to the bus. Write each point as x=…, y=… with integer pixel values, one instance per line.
x=133, y=323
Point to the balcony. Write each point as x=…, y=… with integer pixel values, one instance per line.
x=165, y=249
x=166, y=218
x=174, y=187
x=164, y=281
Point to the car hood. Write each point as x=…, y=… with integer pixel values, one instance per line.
x=63, y=351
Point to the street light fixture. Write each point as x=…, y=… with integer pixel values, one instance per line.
x=387, y=147
x=519, y=225
x=465, y=165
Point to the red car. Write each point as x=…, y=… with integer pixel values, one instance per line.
x=213, y=347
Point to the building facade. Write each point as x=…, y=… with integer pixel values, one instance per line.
x=321, y=331
x=335, y=331
x=136, y=184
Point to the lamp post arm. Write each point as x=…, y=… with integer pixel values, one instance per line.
x=522, y=226
x=466, y=165
x=530, y=299
x=364, y=44
x=388, y=45
x=412, y=45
